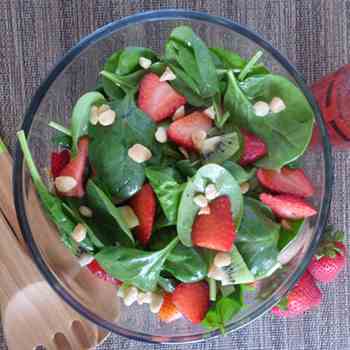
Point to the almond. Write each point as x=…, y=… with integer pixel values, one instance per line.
x=161, y=134
x=103, y=108
x=94, y=115
x=277, y=105
x=244, y=187
x=139, y=153
x=222, y=259
x=107, y=118
x=261, y=108
x=200, y=201
x=65, y=183
x=85, y=211
x=198, y=137
x=79, y=233
x=179, y=113
x=156, y=302
x=210, y=112
x=168, y=74
x=144, y=62
x=130, y=295
x=85, y=259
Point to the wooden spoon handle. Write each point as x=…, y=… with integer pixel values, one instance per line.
x=7, y=205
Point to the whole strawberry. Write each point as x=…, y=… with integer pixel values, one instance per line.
x=330, y=258
x=303, y=297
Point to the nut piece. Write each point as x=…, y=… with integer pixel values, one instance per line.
x=79, y=233
x=103, y=108
x=204, y=211
x=210, y=112
x=65, y=183
x=85, y=211
x=222, y=259
x=244, y=187
x=139, y=153
x=200, y=200
x=277, y=105
x=130, y=295
x=211, y=192
x=156, y=302
x=144, y=298
x=121, y=291
x=161, y=135
x=94, y=115
x=261, y=108
x=179, y=113
x=85, y=259
x=198, y=137
x=216, y=273
x=144, y=62
x=107, y=118
x=168, y=74
x=129, y=216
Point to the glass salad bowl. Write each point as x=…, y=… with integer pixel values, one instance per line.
x=78, y=72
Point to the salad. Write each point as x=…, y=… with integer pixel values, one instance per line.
x=177, y=178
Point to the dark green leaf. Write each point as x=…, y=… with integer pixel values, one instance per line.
x=257, y=239
x=286, y=236
x=166, y=284
x=239, y=173
x=137, y=267
x=187, y=167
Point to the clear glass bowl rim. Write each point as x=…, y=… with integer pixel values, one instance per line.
x=18, y=188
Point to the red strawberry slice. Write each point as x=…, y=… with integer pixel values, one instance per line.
x=217, y=229
x=286, y=180
x=288, y=207
x=168, y=312
x=99, y=272
x=58, y=161
x=254, y=148
x=181, y=130
x=303, y=297
x=157, y=98
x=76, y=167
x=192, y=300
x=144, y=205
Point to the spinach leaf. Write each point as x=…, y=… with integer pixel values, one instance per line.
x=187, y=167
x=223, y=311
x=287, y=133
x=167, y=189
x=166, y=284
x=225, y=185
x=139, y=268
x=122, y=73
x=257, y=239
x=239, y=173
x=51, y=204
x=288, y=235
x=193, y=57
x=81, y=116
x=108, y=149
x=105, y=208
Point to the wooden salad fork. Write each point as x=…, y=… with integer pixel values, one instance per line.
x=32, y=313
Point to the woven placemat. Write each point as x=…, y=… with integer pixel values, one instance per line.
x=313, y=34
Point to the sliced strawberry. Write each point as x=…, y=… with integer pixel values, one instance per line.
x=76, y=167
x=303, y=297
x=99, y=272
x=168, y=312
x=144, y=205
x=217, y=229
x=254, y=148
x=286, y=180
x=288, y=207
x=181, y=130
x=157, y=98
x=58, y=161
x=192, y=300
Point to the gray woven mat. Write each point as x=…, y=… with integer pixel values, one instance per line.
x=313, y=34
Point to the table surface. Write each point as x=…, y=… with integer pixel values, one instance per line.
x=313, y=34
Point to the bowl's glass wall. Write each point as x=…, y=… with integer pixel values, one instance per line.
x=79, y=77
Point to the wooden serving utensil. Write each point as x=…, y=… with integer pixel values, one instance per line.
x=97, y=295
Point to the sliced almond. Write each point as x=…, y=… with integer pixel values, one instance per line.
x=65, y=183
x=156, y=302
x=179, y=113
x=244, y=187
x=144, y=62
x=168, y=74
x=86, y=259
x=161, y=134
x=107, y=118
x=198, y=137
x=139, y=153
x=130, y=295
x=79, y=233
x=144, y=298
x=200, y=200
x=85, y=211
x=94, y=115
x=277, y=105
x=261, y=108
x=204, y=211
x=211, y=192
x=103, y=108
x=184, y=152
x=129, y=216
x=222, y=259
x=210, y=112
